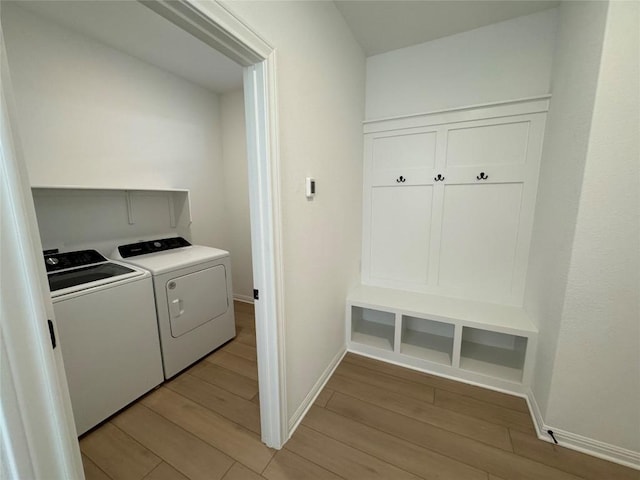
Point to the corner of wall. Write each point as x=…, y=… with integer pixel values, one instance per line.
x=605, y=451
x=580, y=31
x=581, y=247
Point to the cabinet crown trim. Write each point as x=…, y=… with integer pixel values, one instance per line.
x=520, y=106
x=129, y=188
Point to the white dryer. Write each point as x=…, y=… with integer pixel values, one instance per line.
x=193, y=293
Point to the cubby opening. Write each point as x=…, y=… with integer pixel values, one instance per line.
x=375, y=328
x=427, y=339
x=495, y=354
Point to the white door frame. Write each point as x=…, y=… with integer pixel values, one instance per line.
x=38, y=437
x=212, y=23
x=37, y=433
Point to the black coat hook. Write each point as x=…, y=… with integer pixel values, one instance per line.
x=482, y=176
x=401, y=179
x=439, y=178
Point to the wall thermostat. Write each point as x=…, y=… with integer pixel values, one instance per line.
x=310, y=187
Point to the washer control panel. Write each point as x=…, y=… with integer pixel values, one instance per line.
x=62, y=261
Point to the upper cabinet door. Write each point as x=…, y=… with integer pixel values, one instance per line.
x=403, y=157
x=488, y=142
x=489, y=151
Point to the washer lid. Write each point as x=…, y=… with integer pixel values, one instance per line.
x=93, y=273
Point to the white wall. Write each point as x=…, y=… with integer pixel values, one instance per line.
x=595, y=391
x=506, y=60
x=503, y=61
x=320, y=81
x=582, y=287
x=90, y=115
x=234, y=155
x=575, y=76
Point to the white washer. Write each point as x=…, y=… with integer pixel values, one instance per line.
x=193, y=294
x=108, y=333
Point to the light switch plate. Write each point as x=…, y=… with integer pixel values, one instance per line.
x=310, y=187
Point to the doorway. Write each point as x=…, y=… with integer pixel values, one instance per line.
x=220, y=29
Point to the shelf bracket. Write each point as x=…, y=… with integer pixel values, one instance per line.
x=172, y=210
x=457, y=346
x=131, y=220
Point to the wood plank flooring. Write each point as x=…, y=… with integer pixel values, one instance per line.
x=372, y=421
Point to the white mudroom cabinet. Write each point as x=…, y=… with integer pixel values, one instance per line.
x=449, y=200
x=448, y=211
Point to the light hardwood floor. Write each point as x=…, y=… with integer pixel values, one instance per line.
x=372, y=421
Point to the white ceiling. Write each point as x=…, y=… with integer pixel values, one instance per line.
x=383, y=25
x=379, y=26
x=132, y=28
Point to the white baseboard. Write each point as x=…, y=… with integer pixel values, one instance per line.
x=243, y=298
x=596, y=448
x=302, y=410
x=536, y=416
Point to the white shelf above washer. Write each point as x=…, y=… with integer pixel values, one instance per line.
x=74, y=217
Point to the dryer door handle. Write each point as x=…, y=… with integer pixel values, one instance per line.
x=176, y=307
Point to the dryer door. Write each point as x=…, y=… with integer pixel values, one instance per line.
x=196, y=298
